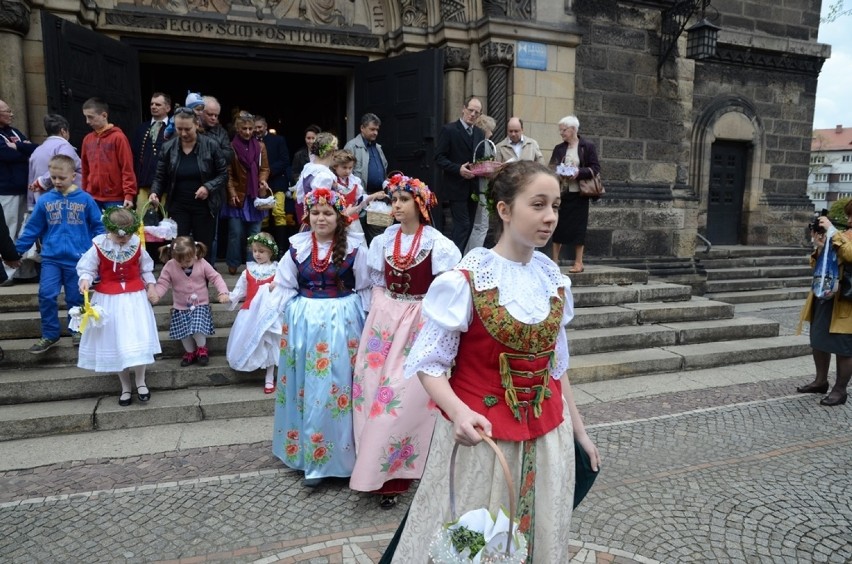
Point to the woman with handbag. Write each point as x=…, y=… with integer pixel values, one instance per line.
x=193, y=173
x=830, y=318
x=581, y=157
x=247, y=176
x=493, y=355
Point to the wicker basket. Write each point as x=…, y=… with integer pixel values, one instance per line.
x=379, y=219
x=485, y=169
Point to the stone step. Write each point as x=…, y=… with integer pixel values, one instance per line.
x=54, y=383
x=27, y=324
x=718, y=286
x=624, y=364
x=653, y=312
x=102, y=413
x=654, y=291
x=65, y=354
x=594, y=275
x=737, y=251
x=739, y=273
x=743, y=262
x=760, y=296
x=613, y=339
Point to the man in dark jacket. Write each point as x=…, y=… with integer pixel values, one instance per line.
x=279, y=173
x=453, y=153
x=15, y=151
x=146, y=143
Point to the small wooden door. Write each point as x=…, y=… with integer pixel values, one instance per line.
x=725, y=195
x=406, y=92
x=81, y=64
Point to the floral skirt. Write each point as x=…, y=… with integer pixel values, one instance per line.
x=312, y=430
x=394, y=417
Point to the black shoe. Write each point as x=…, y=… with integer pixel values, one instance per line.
x=813, y=388
x=388, y=501
x=312, y=482
x=7, y=283
x=143, y=397
x=833, y=399
x=124, y=402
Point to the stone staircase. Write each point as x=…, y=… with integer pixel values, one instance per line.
x=625, y=325
x=740, y=274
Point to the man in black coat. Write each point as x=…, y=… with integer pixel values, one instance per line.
x=453, y=153
x=279, y=174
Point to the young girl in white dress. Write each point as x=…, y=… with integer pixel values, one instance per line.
x=188, y=275
x=317, y=173
x=126, y=338
x=493, y=355
x=249, y=347
x=352, y=189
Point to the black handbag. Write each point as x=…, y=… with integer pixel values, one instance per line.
x=585, y=476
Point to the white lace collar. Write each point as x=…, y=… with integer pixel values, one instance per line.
x=518, y=283
x=262, y=270
x=427, y=239
x=115, y=252
x=303, y=244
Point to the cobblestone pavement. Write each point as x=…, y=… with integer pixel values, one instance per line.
x=744, y=473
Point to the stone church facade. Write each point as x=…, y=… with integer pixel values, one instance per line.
x=714, y=149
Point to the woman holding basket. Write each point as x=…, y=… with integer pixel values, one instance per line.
x=493, y=355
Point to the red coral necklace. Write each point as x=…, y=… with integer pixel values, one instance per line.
x=402, y=262
x=319, y=265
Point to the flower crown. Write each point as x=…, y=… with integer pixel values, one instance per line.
x=424, y=197
x=266, y=242
x=123, y=230
x=324, y=196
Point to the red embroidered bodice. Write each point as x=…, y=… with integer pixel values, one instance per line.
x=119, y=277
x=503, y=368
x=414, y=282
x=252, y=284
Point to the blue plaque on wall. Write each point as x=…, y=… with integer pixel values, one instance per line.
x=532, y=55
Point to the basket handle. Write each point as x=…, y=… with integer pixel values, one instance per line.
x=493, y=148
x=147, y=205
x=507, y=475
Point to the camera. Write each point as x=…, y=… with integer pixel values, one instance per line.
x=814, y=224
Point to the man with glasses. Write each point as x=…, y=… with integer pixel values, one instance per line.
x=453, y=153
x=15, y=151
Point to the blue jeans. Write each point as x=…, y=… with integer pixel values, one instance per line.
x=55, y=276
x=238, y=232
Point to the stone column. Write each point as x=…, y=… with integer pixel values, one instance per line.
x=456, y=62
x=497, y=58
x=14, y=25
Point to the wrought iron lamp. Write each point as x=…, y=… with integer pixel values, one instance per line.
x=701, y=38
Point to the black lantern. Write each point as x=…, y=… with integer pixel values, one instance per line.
x=701, y=40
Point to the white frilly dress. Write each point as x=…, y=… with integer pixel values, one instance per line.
x=128, y=335
x=525, y=291
x=256, y=333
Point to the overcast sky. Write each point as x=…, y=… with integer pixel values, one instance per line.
x=834, y=90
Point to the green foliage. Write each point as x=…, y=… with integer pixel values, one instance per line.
x=462, y=538
x=836, y=213
x=835, y=11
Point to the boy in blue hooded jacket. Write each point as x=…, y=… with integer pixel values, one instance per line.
x=66, y=219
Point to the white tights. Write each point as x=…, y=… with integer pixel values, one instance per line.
x=124, y=377
x=193, y=342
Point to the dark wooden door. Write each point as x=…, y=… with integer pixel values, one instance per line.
x=81, y=64
x=725, y=197
x=406, y=92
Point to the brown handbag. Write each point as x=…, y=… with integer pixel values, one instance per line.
x=591, y=187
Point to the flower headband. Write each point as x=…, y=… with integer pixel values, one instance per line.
x=324, y=196
x=120, y=231
x=266, y=242
x=424, y=197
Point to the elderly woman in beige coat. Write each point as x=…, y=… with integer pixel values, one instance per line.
x=831, y=320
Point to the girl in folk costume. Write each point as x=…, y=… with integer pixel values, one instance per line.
x=188, y=275
x=126, y=337
x=394, y=417
x=496, y=325
x=326, y=289
x=248, y=345
x=352, y=189
x=316, y=173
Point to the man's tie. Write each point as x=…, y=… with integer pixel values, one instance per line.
x=470, y=131
x=155, y=129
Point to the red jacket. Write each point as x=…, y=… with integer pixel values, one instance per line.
x=108, y=166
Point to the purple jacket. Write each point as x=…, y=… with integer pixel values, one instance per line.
x=53, y=145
